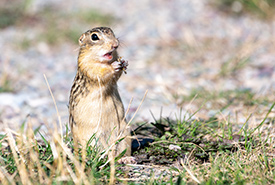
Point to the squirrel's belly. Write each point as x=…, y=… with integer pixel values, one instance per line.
x=97, y=115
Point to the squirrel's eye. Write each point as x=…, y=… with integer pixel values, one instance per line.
x=94, y=37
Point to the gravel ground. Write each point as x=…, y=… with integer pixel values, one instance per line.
x=172, y=47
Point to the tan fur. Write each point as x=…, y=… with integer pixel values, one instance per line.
x=95, y=105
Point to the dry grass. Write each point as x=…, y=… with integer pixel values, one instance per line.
x=187, y=150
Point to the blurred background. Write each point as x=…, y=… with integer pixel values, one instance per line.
x=214, y=54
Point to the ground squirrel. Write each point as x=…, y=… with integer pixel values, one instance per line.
x=95, y=105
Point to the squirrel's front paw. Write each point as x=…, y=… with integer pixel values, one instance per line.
x=119, y=65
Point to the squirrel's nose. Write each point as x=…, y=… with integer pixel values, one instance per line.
x=115, y=45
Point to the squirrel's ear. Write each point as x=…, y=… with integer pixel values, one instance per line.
x=81, y=39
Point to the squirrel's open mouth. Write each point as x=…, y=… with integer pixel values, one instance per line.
x=108, y=56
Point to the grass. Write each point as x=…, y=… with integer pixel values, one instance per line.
x=185, y=150
x=12, y=12
x=24, y=159
x=261, y=8
x=6, y=79
x=5, y=85
x=233, y=66
x=211, y=152
x=223, y=99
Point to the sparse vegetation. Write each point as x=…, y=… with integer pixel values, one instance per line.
x=231, y=67
x=59, y=29
x=262, y=8
x=204, y=151
x=13, y=12
x=28, y=160
x=223, y=99
x=6, y=81
x=53, y=23
x=5, y=85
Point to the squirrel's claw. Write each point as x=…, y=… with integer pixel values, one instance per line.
x=121, y=64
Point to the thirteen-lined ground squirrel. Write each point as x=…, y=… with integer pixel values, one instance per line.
x=95, y=105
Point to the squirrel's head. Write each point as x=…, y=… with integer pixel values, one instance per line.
x=98, y=45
